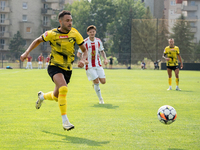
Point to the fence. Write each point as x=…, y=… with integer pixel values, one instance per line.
x=149, y=37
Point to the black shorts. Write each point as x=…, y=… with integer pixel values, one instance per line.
x=52, y=70
x=173, y=67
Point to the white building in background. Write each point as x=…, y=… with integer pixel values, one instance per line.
x=30, y=17
x=191, y=10
x=156, y=7
x=172, y=12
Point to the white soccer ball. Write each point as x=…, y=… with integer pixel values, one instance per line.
x=166, y=114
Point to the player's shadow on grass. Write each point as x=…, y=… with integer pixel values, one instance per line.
x=175, y=149
x=77, y=140
x=186, y=91
x=108, y=106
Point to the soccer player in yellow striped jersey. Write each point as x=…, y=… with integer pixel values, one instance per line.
x=171, y=53
x=62, y=40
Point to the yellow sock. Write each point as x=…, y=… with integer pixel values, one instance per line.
x=170, y=81
x=55, y=98
x=50, y=96
x=177, y=81
x=62, y=99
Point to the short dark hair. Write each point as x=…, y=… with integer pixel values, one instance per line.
x=91, y=27
x=62, y=13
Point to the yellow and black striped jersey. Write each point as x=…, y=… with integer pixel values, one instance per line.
x=172, y=54
x=62, y=46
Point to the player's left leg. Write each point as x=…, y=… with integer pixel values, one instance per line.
x=177, y=79
x=40, y=65
x=102, y=79
x=31, y=65
x=61, y=90
x=46, y=65
x=98, y=90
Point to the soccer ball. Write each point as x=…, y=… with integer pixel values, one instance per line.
x=166, y=114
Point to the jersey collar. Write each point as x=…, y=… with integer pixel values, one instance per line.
x=92, y=41
x=60, y=31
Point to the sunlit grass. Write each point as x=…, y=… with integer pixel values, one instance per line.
x=127, y=120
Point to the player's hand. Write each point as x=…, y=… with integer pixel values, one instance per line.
x=24, y=56
x=181, y=66
x=81, y=64
x=86, y=62
x=105, y=62
x=167, y=59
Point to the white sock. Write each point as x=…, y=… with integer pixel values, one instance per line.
x=64, y=118
x=42, y=97
x=98, y=91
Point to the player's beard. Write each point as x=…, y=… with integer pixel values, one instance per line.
x=67, y=29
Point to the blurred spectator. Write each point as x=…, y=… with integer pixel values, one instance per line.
x=47, y=61
x=143, y=65
x=110, y=62
x=40, y=61
x=29, y=63
x=156, y=65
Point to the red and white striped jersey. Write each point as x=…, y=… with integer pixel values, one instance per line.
x=40, y=58
x=47, y=59
x=29, y=58
x=93, y=48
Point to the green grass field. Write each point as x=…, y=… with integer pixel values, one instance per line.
x=127, y=120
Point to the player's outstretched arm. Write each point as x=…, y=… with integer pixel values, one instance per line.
x=103, y=54
x=33, y=45
x=84, y=56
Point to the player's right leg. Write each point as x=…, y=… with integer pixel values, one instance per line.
x=44, y=96
x=27, y=66
x=169, y=71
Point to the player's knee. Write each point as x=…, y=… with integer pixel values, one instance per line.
x=103, y=81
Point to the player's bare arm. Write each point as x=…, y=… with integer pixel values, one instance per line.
x=33, y=45
x=79, y=55
x=103, y=54
x=84, y=56
x=179, y=58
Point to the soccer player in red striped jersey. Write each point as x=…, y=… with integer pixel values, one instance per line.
x=47, y=61
x=29, y=63
x=40, y=61
x=93, y=67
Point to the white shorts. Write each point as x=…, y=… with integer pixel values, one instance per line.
x=40, y=62
x=29, y=63
x=95, y=72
